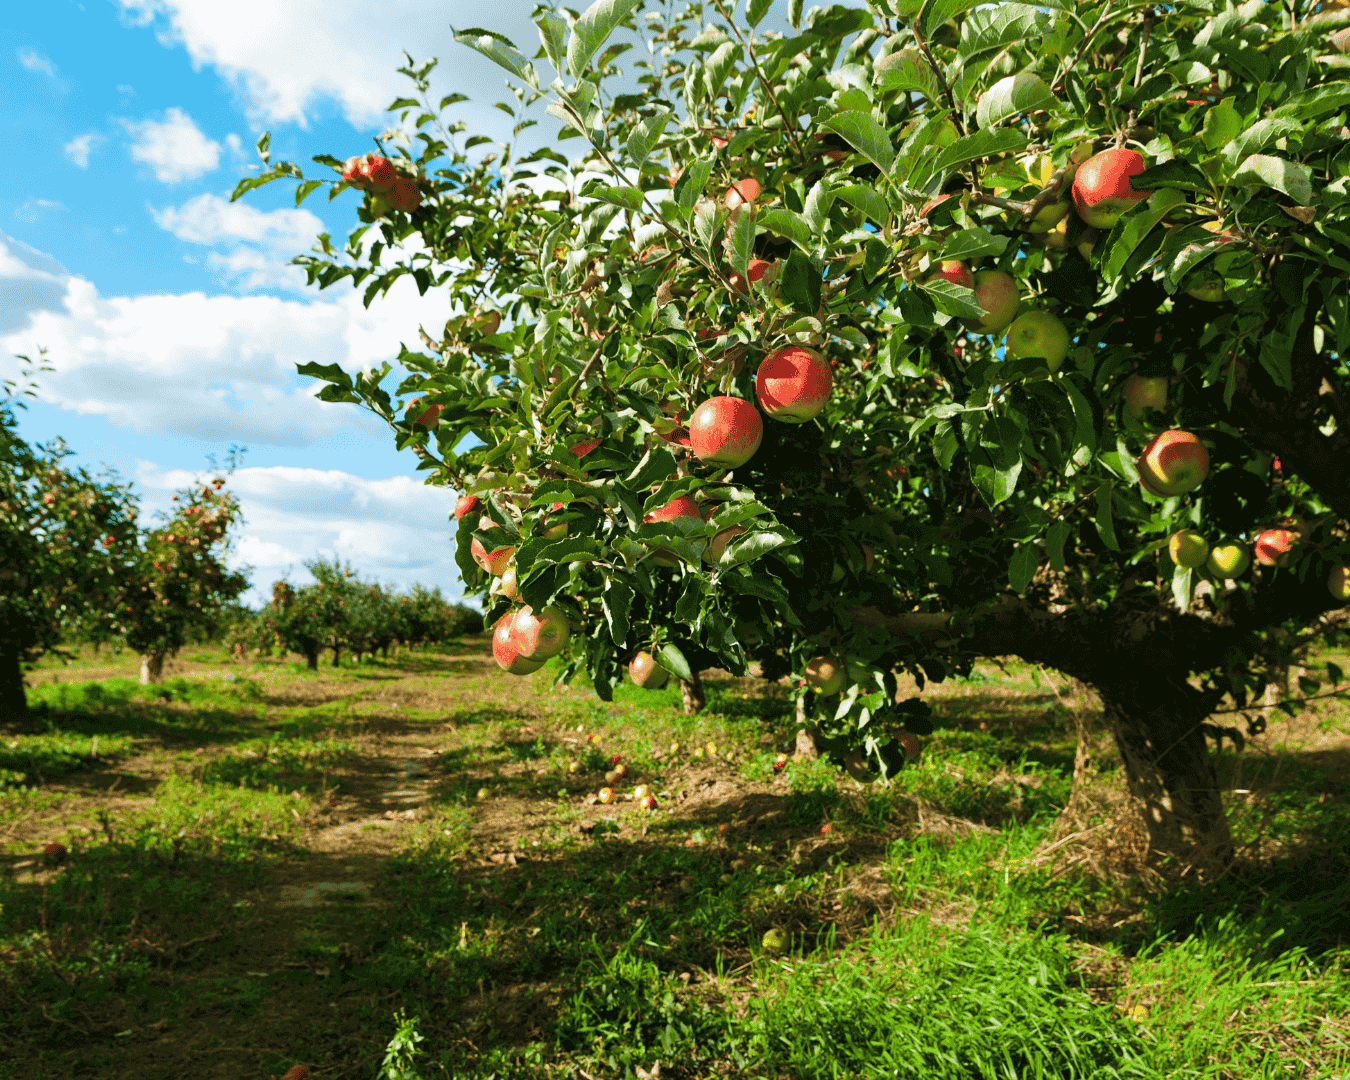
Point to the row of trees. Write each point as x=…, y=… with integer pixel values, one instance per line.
x=891, y=186
x=340, y=613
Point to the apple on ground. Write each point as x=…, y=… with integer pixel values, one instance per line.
x=1339, y=583
x=827, y=829
x=1145, y=393
x=483, y=793
x=955, y=271
x=641, y=790
x=645, y=672
x=54, y=852
x=1038, y=334
x=648, y=802
x=780, y=762
x=793, y=384
x=755, y=270
x=542, y=636
x=1188, y=549
x=996, y=292
x=1173, y=463
x=825, y=675
x=494, y=562
x=505, y=652
x=725, y=432
x=1102, y=192
x=1273, y=546
x=742, y=191
x=296, y=1072
x=1228, y=560
x=466, y=504
x=774, y=941
x=621, y=769
x=574, y=768
x=606, y=795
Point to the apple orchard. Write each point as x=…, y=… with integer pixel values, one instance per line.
x=914, y=335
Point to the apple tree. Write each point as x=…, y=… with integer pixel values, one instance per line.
x=63, y=536
x=888, y=339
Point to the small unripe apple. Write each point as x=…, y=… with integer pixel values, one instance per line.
x=793, y=384
x=1273, y=546
x=429, y=417
x=1056, y=236
x=774, y=941
x=483, y=793
x=487, y=324
x=825, y=675
x=1087, y=242
x=1047, y=217
x=1210, y=291
x=996, y=292
x=1188, y=549
x=1145, y=393
x=1038, y=334
x=1228, y=560
x=718, y=546
x=378, y=204
x=1102, y=192
x=494, y=562
x=1173, y=463
x=645, y=672
x=1339, y=583
x=725, y=432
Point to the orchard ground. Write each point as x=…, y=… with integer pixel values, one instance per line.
x=268, y=866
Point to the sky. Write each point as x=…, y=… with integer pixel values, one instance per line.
x=170, y=316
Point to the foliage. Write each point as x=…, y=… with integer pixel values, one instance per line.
x=982, y=485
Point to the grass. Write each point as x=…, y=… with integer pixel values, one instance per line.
x=399, y=869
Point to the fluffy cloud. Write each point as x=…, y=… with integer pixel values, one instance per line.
x=32, y=209
x=174, y=147
x=79, y=148
x=33, y=62
x=226, y=362
x=395, y=531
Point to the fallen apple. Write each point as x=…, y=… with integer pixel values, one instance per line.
x=483, y=793
x=780, y=762
x=774, y=941
x=606, y=795
x=648, y=802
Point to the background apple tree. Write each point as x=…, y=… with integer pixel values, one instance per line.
x=953, y=500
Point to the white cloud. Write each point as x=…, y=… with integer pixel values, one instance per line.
x=32, y=209
x=395, y=531
x=33, y=62
x=175, y=146
x=235, y=144
x=149, y=362
x=78, y=149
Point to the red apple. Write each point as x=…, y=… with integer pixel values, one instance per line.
x=742, y=191
x=1145, y=393
x=645, y=672
x=682, y=508
x=1101, y=186
x=505, y=652
x=725, y=432
x=955, y=271
x=780, y=762
x=542, y=636
x=378, y=172
x=1339, y=583
x=1038, y=334
x=793, y=384
x=755, y=271
x=54, y=852
x=718, y=141
x=405, y=195
x=607, y=795
x=679, y=435
x=296, y=1072
x=428, y=418
x=825, y=675
x=351, y=172
x=509, y=585
x=1188, y=549
x=717, y=548
x=1173, y=463
x=1273, y=546
x=648, y=802
x=910, y=742
x=466, y=504
x=996, y=292
x=494, y=562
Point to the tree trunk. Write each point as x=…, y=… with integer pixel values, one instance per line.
x=13, y=700
x=337, y=655
x=152, y=667
x=1158, y=729
x=692, y=694
x=312, y=660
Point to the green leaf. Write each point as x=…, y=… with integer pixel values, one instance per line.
x=1131, y=229
x=865, y=135
x=1329, y=97
x=1294, y=179
x=1181, y=587
x=692, y=181
x=817, y=210
x=1222, y=125
x=951, y=298
x=800, y=283
x=907, y=70
x=1177, y=173
x=616, y=601
x=992, y=28
x=1106, y=528
x=627, y=197
x=783, y=222
x=753, y=545
x=718, y=66
x=996, y=484
x=302, y=192
x=657, y=465
x=1054, y=543
x=1021, y=93
x=1259, y=136
x=553, y=36
x=743, y=240
x=1085, y=433
x=980, y=145
x=592, y=30
x=500, y=50
x=673, y=661
x=1022, y=567
x=866, y=199
x=644, y=136
x=974, y=243
x=755, y=10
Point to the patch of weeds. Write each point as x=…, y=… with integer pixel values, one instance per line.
x=32, y=759
x=446, y=834
x=261, y=764
x=813, y=791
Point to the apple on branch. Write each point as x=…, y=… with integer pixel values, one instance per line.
x=1339, y=583
x=825, y=675
x=430, y=417
x=996, y=292
x=793, y=384
x=378, y=172
x=1188, y=549
x=645, y=672
x=1143, y=392
x=1173, y=463
x=1229, y=560
x=505, y=652
x=955, y=271
x=494, y=562
x=542, y=636
x=1038, y=334
x=754, y=270
x=742, y=192
x=725, y=432
x=1102, y=191
x=466, y=504
x=683, y=508
x=1274, y=545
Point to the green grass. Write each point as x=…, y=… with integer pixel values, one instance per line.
x=610, y=940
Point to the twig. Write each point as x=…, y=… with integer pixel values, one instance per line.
x=941, y=78
x=1082, y=48
x=788, y=123
x=1138, y=77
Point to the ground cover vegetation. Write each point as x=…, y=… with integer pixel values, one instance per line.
x=913, y=335
x=402, y=867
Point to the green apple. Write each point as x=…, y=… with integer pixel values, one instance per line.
x=774, y=941
x=1228, y=560
x=1145, y=393
x=996, y=292
x=1188, y=549
x=1047, y=217
x=1210, y=291
x=1339, y=583
x=825, y=675
x=1038, y=334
